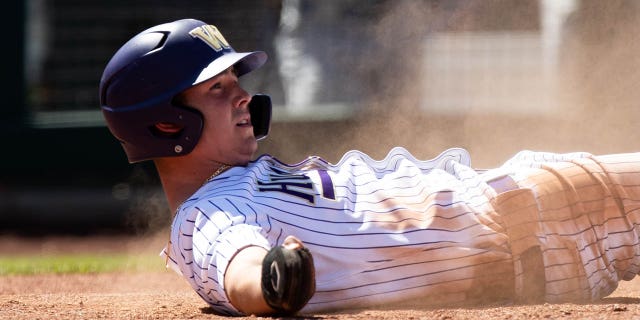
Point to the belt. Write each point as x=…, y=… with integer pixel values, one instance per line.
x=503, y=183
x=529, y=272
x=533, y=278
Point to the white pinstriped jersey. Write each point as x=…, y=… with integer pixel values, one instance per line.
x=384, y=232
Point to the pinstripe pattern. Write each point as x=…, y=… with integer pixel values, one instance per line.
x=402, y=230
x=588, y=211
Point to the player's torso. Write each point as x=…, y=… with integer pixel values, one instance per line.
x=357, y=217
x=324, y=203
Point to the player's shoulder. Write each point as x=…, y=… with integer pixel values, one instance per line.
x=442, y=160
x=399, y=155
x=459, y=155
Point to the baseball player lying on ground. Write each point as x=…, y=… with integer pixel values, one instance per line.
x=258, y=236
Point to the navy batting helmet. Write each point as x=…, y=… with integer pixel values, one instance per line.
x=142, y=78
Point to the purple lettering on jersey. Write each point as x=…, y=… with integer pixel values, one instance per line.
x=327, y=185
x=295, y=185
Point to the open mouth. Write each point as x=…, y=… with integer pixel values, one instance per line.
x=244, y=123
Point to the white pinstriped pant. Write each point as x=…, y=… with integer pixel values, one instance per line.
x=583, y=216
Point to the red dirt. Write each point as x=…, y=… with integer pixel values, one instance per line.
x=164, y=295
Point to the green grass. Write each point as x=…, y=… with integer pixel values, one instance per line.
x=66, y=264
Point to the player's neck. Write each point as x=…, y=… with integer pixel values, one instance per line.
x=180, y=178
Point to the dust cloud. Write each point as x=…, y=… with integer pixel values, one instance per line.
x=584, y=100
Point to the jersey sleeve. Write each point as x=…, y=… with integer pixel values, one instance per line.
x=231, y=241
x=203, y=246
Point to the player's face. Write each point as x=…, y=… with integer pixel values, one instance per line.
x=228, y=134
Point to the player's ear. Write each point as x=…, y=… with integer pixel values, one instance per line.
x=167, y=129
x=292, y=243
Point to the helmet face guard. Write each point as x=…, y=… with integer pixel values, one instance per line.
x=142, y=78
x=260, y=110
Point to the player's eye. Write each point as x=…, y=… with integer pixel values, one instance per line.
x=216, y=85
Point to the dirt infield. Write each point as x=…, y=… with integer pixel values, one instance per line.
x=164, y=295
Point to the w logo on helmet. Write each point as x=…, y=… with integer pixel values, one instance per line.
x=211, y=36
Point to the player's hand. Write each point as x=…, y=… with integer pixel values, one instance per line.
x=288, y=277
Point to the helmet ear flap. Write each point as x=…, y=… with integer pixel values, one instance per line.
x=260, y=110
x=140, y=138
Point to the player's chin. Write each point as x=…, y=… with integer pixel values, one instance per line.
x=246, y=150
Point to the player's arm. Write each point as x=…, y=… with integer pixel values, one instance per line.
x=242, y=281
x=279, y=281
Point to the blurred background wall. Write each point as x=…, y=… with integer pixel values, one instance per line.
x=491, y=76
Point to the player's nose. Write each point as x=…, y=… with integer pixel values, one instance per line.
x=242, y=98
